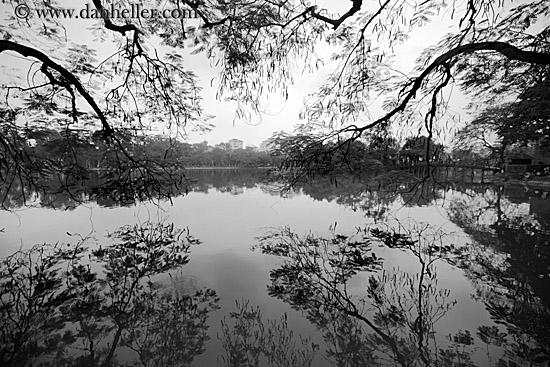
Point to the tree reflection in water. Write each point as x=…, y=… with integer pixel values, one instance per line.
x=249, y=341
x=508, y=263
x=315, y=277
x=56, y=310
x=392, y=320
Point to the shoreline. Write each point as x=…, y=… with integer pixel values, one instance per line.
x=537, y=184
x=223, y=167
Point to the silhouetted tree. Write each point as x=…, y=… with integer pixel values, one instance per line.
x=398, y=309
x=74, y=88
x=56, y=310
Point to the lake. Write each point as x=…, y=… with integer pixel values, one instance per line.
x=332, y=273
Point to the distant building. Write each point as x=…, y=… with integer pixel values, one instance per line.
x=235, y=144
x=524, y=159
x=267, y=145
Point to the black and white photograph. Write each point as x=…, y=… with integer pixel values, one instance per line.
x=275, y=183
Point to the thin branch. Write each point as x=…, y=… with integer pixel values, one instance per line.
x=356, y=6
x=510, y=51
x=122, y=29
x=361, y=39
x=207, y=22
x=69, y=77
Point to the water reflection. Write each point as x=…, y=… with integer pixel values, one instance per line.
x=115, y=305
x=248, y=340
x=508, y=263
x=90, y=189
x=394, y=319
x=107, y=188
x=57, y=309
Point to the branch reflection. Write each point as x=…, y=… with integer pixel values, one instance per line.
x=57, y=309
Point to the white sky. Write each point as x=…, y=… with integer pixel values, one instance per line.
x=278, y=115
x=283, y=115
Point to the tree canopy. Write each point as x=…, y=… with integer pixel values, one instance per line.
x=524, y=121
x=488, y=49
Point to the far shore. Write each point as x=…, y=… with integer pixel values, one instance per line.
x=225, y=167
x=542, y=182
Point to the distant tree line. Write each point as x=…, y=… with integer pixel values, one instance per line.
x=53, y=146
x=301, y=155
x=202, y=154
x=129, y=167
x=502, y=131
x=60, y=147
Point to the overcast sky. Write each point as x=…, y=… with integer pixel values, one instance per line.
x=283, y=115
x=278, y=114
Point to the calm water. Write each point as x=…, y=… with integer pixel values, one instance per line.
x=487, y=300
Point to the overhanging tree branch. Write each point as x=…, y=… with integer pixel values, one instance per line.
x=509, y=51
x=409, y=91
x=207, y=22
x=356, y=6
x=70, y=78
x=122, y=29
